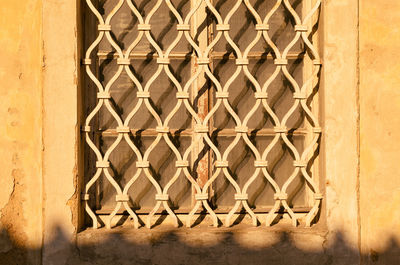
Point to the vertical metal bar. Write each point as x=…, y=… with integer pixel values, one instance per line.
x=307, y=71
x=202, y=96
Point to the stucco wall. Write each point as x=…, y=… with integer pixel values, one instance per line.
x=61, y=129
x=21, y=132
x=39, y=113
x=379, y=130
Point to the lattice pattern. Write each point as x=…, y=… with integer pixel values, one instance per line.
x=301, y=94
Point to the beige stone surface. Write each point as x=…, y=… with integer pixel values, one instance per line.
x=60, y=129
x=203, y=245
x=379, y=127
x=340, y=118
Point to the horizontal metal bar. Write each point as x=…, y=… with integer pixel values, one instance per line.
x=225, y=210
x=182, y=55
x=189, y=132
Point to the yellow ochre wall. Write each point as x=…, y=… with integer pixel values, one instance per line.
x=379, y=125
x=22, y=133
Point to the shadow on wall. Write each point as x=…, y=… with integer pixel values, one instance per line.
x=179, y=246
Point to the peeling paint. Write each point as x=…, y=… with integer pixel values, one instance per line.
x=12, y=215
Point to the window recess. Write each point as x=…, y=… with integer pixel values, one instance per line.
x=201, y=108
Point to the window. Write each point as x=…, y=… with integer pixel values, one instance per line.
x=202, y=108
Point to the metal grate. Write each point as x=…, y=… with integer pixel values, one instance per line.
x=222, y=102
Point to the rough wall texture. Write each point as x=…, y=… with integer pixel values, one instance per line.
x=60, y=128
x=362, y=221
x=340, y=118
x=380, y=131
x=21, y=132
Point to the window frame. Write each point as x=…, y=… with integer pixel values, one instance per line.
x=61, y=130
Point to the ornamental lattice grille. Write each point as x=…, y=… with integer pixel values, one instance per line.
x=202, y=107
